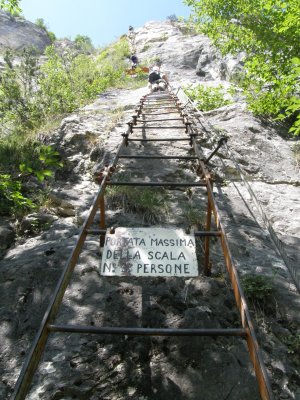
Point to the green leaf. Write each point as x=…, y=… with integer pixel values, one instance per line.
x=296, y=61
x=47, y=172
x=40, y=175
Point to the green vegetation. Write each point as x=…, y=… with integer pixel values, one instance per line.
x=152, y=204
x=10, y=5
x=186, y=26
x=193, y=216
x=18, y=108
x=172, y=18
x=43, y=163
x=12, y=201
x=257, y=288
x=37, y=161
x=154, y=61
x=41, y=23
x=293, y=343
x=268, y=32
x=146, y=47
x=207, y=98
x=84, y=44
x=30, y=94
x=34, y=95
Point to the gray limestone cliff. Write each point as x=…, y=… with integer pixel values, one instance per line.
x=17, y=33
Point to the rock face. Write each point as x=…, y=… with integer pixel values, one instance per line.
x=183, y=56
x=17, y=33
x=7, y=235
x=155, y=368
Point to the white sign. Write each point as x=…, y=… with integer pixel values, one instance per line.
x=149, y=252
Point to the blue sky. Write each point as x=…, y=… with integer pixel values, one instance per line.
x=102, y=20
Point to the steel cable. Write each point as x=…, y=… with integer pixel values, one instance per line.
x=295, y=274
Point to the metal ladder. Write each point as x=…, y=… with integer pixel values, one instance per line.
x=152, y=108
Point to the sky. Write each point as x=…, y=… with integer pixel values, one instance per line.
x=102, y=20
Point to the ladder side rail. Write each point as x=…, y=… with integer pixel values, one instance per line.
x=31, y=363
x=252, y=343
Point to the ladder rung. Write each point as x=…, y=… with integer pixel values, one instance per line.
x=96, y=231
x=165, y=100
x=159, y=140
x=166, y=103
x=155, y=108
x=160, y=120
x=206, y=233
x=197, y=233
x=160, y=157
x=146, y=331
x=169, y=184
x=161, y=113
x=159, y=127
x=158, y=96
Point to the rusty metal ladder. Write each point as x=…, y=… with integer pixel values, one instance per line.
x=154, y=105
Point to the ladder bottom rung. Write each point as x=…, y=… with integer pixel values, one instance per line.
x=169, y=184
x=159, y=127
x=159, y=140
x=160, y=113
x=146, y=331
x=158, y=157
x=159, y=120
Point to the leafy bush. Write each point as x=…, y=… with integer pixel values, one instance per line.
x=36, y=160
x=41, y=23
x=31, y=95
x=13, y=6
x=268, y=33
x=293, y=344
x=16, y=150
x=293, y=103
x=51, y=36
x=257, y=288
x=19, y=109
x=46, y=162
x=172, y=18
x=56, y=84
x=115, y=55
x=84, y=44
x=207, y=98
x=12, y=201
x=68, y=81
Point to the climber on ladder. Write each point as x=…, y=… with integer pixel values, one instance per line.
x=157, y=80
x=131, y=38
x=134, y=61
x=135, y=67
